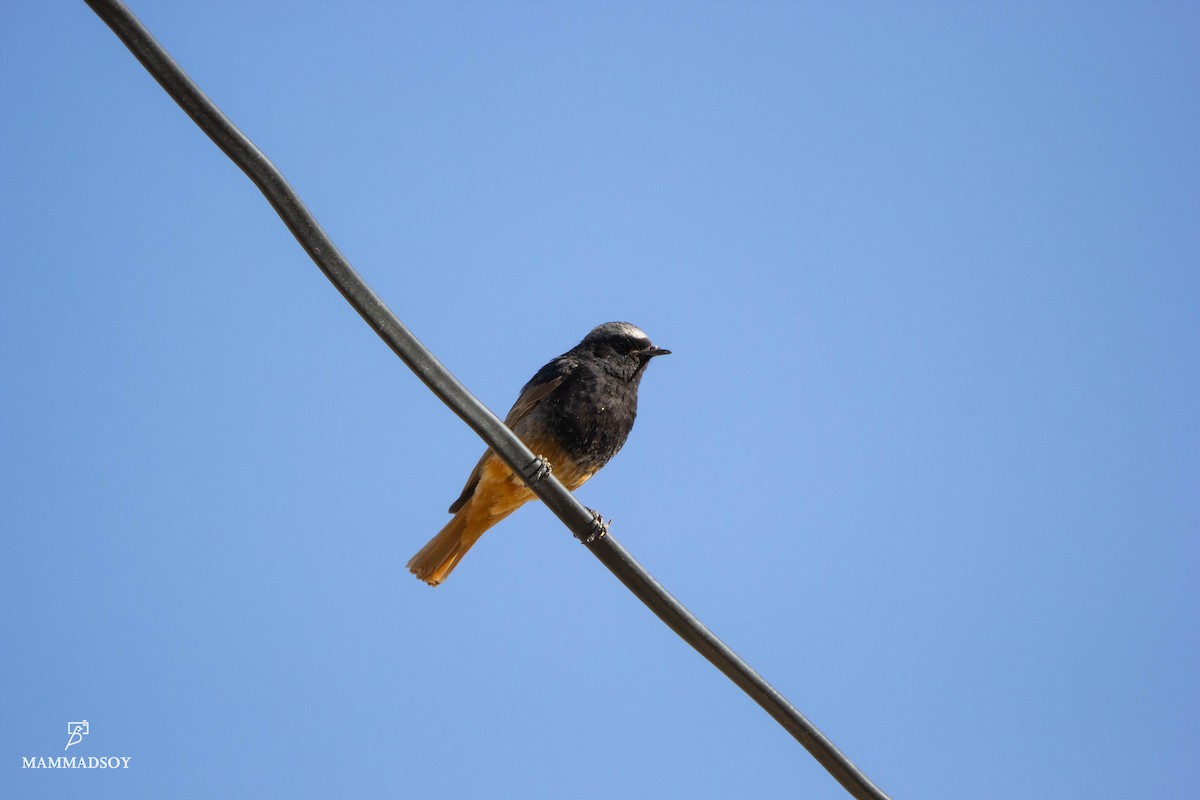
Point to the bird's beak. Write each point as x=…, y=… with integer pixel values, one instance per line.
x=652, y=351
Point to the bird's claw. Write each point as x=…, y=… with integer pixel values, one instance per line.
x=599, y=527
x=537, y=470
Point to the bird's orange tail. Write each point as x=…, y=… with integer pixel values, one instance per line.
x=443, y=552
x=441, y=555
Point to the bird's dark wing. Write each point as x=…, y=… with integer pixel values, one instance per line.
x=547, y=379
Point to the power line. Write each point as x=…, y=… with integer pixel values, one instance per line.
x=503, y=442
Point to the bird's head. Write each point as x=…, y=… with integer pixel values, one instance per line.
x=624, y=349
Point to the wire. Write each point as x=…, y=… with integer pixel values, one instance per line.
x=575, y=516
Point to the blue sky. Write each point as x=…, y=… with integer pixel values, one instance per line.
x=926, y=454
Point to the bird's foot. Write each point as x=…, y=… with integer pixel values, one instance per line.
x=537, y=470
x=599, y=527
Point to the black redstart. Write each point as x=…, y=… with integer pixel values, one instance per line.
x=575, y=413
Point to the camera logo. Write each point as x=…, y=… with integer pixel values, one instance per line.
x=76, y=731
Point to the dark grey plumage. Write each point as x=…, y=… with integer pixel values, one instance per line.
x=575, y=413
x=592, y=407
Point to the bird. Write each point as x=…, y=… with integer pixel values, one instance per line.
x=575, y=414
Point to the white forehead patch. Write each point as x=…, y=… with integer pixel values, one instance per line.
x=633, y=331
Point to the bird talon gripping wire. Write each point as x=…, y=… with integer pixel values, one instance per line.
x=599, y=528
x=537, y=470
